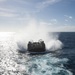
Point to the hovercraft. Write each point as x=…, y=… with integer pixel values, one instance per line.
x=36, y=47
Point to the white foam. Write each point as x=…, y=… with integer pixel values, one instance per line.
x=46, y=65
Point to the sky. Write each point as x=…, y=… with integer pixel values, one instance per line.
x=58, y=15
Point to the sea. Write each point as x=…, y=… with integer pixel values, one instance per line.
x=58, y=62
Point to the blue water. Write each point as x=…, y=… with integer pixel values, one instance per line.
x=68, y=50
x=59, y=62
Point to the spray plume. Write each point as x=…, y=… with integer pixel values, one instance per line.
x=35, y=31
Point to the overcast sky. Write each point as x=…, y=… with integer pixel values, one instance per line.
x=58, y=15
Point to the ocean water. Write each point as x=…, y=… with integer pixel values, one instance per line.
x=68, y=50
x=60, y=62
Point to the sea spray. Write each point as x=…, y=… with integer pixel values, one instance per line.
x=36, y=31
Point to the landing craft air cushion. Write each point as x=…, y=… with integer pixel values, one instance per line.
x=37, y=47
